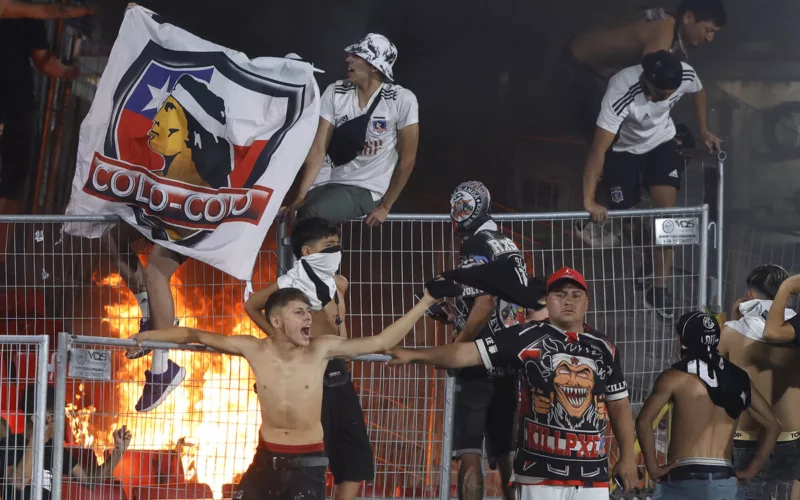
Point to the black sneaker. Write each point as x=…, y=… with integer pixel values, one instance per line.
x=144, y=325
x=659, y=299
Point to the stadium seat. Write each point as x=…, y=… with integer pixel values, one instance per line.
x=174, y=492
x=73, y=491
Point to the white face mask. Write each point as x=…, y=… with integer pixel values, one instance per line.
x=326, y=262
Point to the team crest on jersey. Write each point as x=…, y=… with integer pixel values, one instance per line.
x=379, y=125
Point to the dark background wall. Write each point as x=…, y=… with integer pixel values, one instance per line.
x=484, y=72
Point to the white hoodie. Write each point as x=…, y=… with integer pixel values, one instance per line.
x=754, y=318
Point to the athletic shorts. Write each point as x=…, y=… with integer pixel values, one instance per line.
x=546, y=492
x=783, y=465
x=285, y=473
x=337, y=203
x=625, y=174
x=346, y=440
x=485, y=407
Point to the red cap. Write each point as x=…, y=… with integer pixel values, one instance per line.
x=567, y=273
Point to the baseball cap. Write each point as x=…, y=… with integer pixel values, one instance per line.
x=663, y=69
x=566, y=273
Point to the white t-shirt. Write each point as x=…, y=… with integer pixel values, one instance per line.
x=373, y=168
x=642, y=124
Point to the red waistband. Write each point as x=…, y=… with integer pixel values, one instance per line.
x=291, y=449
x=559, y=482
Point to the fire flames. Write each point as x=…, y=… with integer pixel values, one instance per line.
x=211, y=420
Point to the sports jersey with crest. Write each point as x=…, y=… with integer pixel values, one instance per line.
x=373, y=168
x=487, y=245
x=569, y=378
x=640, y=124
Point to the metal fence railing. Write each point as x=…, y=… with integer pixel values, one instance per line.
x=199, y=442
x=25, y=421
x=54, y=282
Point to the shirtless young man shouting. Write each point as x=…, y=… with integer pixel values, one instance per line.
x=316, y=245
x=708, y=396
x=289, y=367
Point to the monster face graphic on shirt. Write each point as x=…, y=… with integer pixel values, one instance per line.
x=573, y=384
x=573, y=371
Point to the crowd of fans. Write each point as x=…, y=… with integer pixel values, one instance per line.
x=526, y=363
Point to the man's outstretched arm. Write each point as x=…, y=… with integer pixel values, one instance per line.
x=226, y=344
x=338, y=347
x=457, y=355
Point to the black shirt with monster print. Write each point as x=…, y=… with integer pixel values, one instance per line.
x=561, y=435
x=485, y=246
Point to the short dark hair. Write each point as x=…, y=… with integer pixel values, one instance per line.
x=704, y=10
x=765, y=280
x=27, y=400
x=280, y=298
x=309, y=230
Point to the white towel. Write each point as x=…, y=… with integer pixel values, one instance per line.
x=754, y=318
x=313, y=275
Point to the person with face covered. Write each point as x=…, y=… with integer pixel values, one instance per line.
x=573, y=385
x=366, y=143
x=485, y=401
x=633, y=148
x=316, y=246
x=708, y=396
x=290, y=367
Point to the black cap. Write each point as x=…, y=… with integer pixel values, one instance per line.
x=698, y=331
x=663, y=70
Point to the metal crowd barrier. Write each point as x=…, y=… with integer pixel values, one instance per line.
x=23, y=365
x=61, y=283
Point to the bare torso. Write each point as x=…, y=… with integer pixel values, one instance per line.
x=611, y=49
x=773, y=371
x=290, y=393
x=699, y=427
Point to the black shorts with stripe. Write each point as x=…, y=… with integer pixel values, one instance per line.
x=625, y=174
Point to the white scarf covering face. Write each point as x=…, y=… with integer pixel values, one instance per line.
x=322, y=267
x=754, y=314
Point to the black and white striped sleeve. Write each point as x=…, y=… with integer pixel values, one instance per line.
x=691, y=81
x=616, y=103
x=326, y=111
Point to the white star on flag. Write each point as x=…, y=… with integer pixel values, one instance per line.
x=158, y=96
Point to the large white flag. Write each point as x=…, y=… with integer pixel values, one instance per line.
x=192, y=143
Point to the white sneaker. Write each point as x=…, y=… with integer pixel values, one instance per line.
x=594, y=235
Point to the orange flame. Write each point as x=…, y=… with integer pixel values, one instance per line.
x=214, y=410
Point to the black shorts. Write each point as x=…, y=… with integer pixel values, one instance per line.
x=783, y=465
x=285, y=473
x=346, y=440
x=625, y=174
x=485, y=407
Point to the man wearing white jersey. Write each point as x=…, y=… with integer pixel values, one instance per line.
x=366, y=142
x=633, y=148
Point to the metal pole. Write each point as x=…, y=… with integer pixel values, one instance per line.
x=284, y=253
x=62, y=358
x=720, y=227
x=447, y=438
x=37, y=479
x=702, y=293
